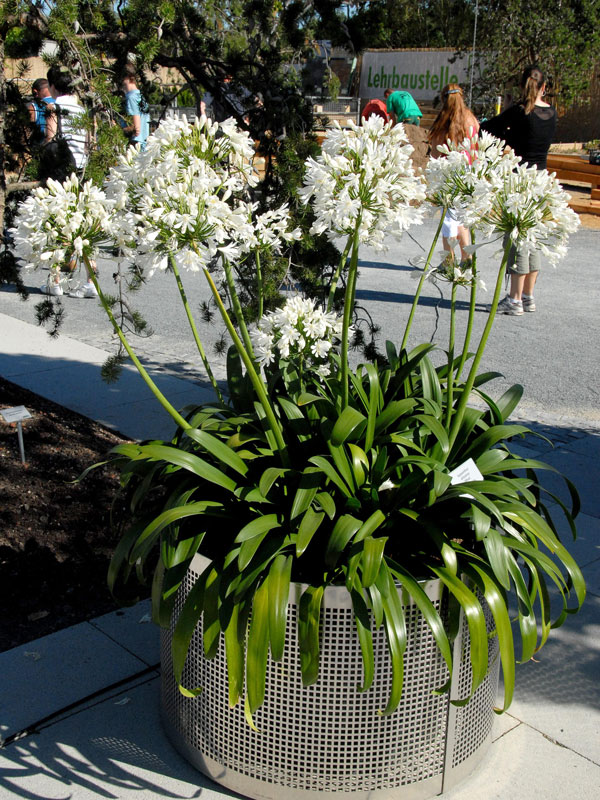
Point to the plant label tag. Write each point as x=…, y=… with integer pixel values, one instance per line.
x=15, y=414
x=467, y=471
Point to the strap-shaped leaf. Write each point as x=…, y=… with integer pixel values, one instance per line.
x=395, y=629
x=258, y=648
x=218, y=449
x=257, y=526
x=496, y=601
x=148, y=536
x=211, y=627
x=234, y=653
x=268, y=478
x=188, y=461
x=360, y=463
x=375, y=403
x=370, y=525
x=342, y=464
x=329, y=470
x=185, y=626
x=527, y=623
x=415, y=591
x=309, y=525
x=309, y=618
x=476, y=622
x=327, y=503
x=437, y=429
x=349, y=424
x=392, y=412
x=343, y=531
x=492, y=436
x=430, y=382
x=310, y=483
x=372, y=556
x=497, y=553
x=278, y=584
x=510, y=400
x=362, y=621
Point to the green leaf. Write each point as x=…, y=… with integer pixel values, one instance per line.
x=258, y=526
x=268, y=478
x=476, y=622
x=327, y=503
x=343, y=531
x=437, y=429
x=360, y=463
x=372, y=556
x=370, y=525
x=210, y=619
x=329, y=470
x=185, y=626
x=365, y=638
x=492, y=436
x=395, y=629
x=350, y=422
x=278, y=585
x=392, y=413
x=309, y=618
x=309, y=525
x=258, y=648
x=510, y=400
x=375, y=401
x=218, y=449
x=163, y=520
x=310, y=482
x=496, y=601
x=430, y=381
x=234, y=652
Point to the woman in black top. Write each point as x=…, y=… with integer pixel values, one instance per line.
x=528, y=128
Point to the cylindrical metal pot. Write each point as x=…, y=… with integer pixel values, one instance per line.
x=329, y=737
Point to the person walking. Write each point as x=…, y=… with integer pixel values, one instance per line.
x=454, y=123
x=528, y=127
x=136, y=108
x=39, y=107
x=401, y=107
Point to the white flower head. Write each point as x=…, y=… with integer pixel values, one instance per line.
x=364, y=177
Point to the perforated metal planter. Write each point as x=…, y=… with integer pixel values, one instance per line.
x=328, y=737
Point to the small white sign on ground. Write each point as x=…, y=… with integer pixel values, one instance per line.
x=15, y=414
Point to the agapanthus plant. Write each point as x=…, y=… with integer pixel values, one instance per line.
x=308, y=470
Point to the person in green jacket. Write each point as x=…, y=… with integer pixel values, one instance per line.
x=402, y=107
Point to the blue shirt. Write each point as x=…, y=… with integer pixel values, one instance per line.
x=135, y=105
x=41, y=112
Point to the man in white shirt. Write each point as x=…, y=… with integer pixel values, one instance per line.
x=71, y=124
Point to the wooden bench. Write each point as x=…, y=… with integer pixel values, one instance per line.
x=570, y=169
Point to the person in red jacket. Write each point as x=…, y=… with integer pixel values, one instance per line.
x=377, y=107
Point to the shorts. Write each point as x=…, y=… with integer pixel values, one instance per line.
x=450, y=226
x=521, y=262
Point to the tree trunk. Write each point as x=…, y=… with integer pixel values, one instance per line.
x=2, y=139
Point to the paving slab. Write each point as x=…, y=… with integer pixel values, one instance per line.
x=582, y=470
x=41, y=677
x=557, y=691
x=526, y=764
x=114, y=749
x=132, y=628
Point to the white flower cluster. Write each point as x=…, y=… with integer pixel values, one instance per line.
x=451, y=270
x=530, y=207
x=179, y=197
x=61, y=222
x=477, y=163
x=299, y=330
x=364, y=175
x=492, y=193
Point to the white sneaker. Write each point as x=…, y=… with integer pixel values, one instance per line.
x=54, y=289
x=528, y=303
x=88, y=290
x=507, y=306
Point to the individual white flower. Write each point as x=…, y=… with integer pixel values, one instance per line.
x=364, y=176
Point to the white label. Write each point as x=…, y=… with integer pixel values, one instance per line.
x=467, y=471
x=15, y=414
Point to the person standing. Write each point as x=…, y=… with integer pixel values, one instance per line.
x=528, y=127
x=39, y=107
x=401, y=107
x=377, y=107
x=67, y=118
x=454, y=123
x=136, y=108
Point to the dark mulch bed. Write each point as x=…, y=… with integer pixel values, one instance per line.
x=55, y=537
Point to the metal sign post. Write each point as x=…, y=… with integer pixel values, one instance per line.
x=17, y=414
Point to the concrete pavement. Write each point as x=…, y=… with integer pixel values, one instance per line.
x=79, y=708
